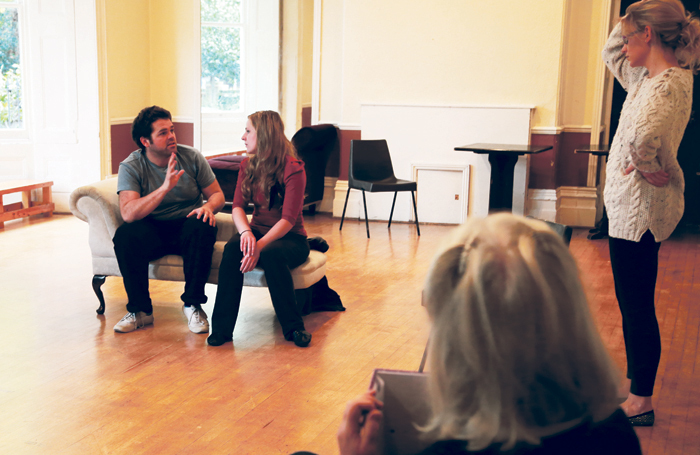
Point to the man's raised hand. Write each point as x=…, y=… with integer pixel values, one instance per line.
x=172, y=176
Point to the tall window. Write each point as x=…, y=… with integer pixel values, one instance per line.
x=11, y=114
x=239, y=68
x=222, y=32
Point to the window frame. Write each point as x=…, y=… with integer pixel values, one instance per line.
x=243, y=27
x=14, y=134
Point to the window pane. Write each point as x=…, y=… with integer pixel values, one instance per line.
x=221, y=11
x=221, y=69
x=10, y=75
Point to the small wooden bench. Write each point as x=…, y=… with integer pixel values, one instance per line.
x=27, y=207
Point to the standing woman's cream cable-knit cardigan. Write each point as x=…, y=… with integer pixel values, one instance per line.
x=652, y=122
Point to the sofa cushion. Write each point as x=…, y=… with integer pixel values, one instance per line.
x=170, y=268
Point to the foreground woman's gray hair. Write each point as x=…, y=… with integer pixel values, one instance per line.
x=514, y=351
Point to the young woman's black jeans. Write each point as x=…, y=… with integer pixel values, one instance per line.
x=634, y=266
x=277, y=260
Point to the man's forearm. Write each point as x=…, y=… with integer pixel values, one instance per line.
x=216, y=202
x=140, y=208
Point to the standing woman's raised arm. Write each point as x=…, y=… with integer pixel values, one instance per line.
x=616, y=61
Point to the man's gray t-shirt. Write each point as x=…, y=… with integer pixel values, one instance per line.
x=138, y=173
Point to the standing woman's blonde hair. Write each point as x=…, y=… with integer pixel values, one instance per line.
x=675, y=28
x=265, y=167
x=514, y=350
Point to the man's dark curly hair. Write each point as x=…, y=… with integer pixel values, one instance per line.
x=143, y=123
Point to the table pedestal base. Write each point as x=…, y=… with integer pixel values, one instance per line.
x=501, y=190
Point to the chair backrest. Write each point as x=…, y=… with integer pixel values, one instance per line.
x=563, y=230
x=314, y=145
x=369, y=161
x=226, y=171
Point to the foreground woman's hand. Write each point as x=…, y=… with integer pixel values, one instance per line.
x=659, y=178
x=359, y=431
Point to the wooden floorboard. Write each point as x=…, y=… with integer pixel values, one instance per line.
x=70, y=385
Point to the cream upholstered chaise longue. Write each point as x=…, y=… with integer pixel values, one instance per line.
x=98, y=205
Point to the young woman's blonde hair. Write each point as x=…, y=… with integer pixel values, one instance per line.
x=514, y=349
x=672, y=24
x=265, y=168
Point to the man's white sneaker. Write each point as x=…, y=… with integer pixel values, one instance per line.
x=196, y=319
x=133, y=321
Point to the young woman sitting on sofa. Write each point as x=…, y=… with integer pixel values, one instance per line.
x=273, y=179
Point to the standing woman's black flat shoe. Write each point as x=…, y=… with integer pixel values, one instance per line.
x=642, y=420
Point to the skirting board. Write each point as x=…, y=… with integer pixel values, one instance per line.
x=576, y=206
x=354, y=200
x=328, y=195
x=542, y=204
x=60, y=201
x=573, y=206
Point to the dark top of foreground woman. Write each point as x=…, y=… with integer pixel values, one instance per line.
x=614, y=436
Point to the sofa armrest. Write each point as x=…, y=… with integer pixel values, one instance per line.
x=98, y=202
x=98, y=205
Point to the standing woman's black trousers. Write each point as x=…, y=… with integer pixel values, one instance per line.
x=634, y=266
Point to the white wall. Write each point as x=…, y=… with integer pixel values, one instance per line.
x=443, y=52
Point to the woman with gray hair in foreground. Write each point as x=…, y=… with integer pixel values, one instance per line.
x=516, y=365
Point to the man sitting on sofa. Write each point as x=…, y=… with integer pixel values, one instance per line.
x=161, y=190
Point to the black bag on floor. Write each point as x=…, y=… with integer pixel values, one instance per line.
x=318, y=297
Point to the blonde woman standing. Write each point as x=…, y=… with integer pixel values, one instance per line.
x=653, y=52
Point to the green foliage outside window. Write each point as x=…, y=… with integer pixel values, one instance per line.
x=10, y=75
x=221, y=11
x=221, y=55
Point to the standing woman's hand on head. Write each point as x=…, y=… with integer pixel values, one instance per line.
x=359, y=432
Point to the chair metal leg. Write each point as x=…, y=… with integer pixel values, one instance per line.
x=364, y=203
x=97, y=282
x=344, y=207
x=425, y=356
x=415, y=210
x=391, y=214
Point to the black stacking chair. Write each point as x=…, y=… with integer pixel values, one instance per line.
x=563, y=230
x=371, y=170
x=314, y=145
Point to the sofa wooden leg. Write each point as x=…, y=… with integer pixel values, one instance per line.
x=97, y=282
